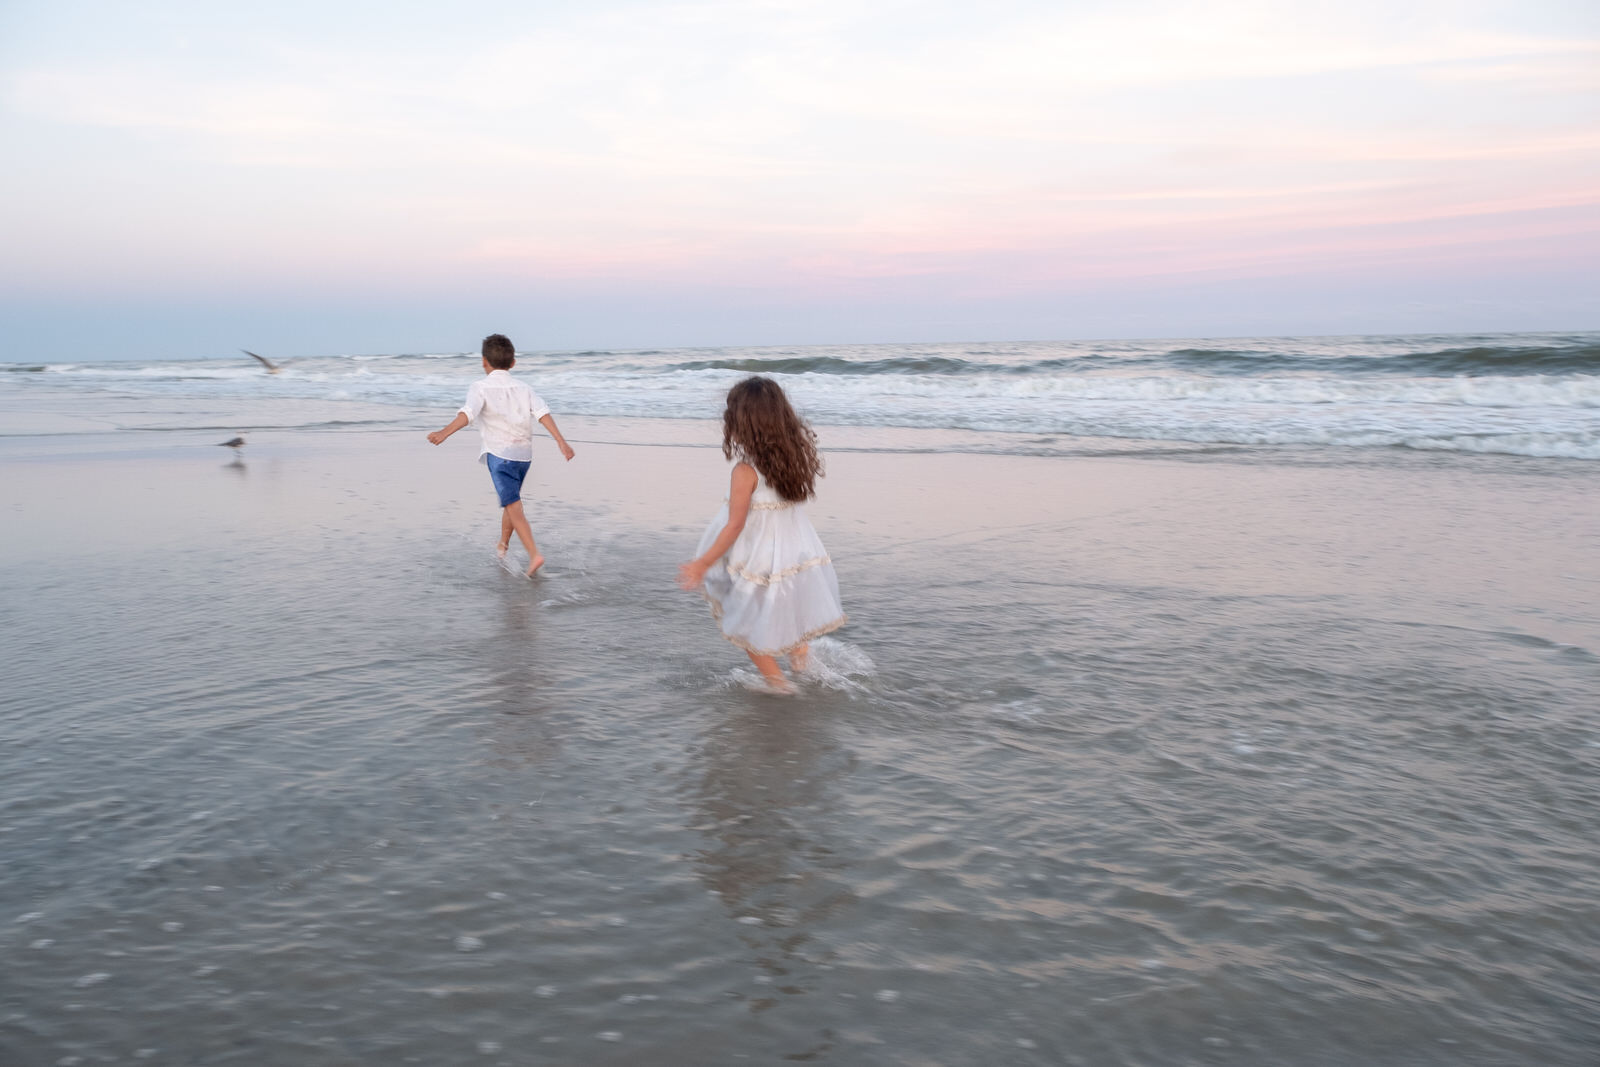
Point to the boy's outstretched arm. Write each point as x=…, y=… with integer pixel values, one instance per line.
x=549, y=423
x=437, y=437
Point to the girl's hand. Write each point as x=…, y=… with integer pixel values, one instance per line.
x=691, y=574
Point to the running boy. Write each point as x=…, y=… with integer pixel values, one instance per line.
x=505, y=411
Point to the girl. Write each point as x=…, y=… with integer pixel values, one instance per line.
x=768, y=578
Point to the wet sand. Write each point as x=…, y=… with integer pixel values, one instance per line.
x=1215, y=757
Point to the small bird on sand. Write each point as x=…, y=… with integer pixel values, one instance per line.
x=272, y=368
x=235, y=444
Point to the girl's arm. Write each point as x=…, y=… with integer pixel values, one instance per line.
x=740, y=488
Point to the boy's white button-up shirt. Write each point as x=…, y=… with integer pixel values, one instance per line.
x=505, y=411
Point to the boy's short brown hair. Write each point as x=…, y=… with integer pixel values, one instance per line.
x=499, y=351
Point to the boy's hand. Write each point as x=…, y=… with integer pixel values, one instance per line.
x=566, y=450
x=691, y=574
x=437, y=437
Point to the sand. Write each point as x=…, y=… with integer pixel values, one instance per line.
x=1233, y=756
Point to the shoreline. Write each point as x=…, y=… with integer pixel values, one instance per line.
x=1257, y=525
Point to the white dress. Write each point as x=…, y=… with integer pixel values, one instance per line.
x=775, y=589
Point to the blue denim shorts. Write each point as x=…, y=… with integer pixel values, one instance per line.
x=507, y=475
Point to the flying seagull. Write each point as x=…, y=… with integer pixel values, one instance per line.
x=272, y=368
x=235, y=444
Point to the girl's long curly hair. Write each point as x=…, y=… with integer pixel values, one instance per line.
x=763, y=428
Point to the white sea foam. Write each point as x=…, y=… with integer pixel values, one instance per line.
x=1460, y=394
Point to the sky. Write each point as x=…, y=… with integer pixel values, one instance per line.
x=185, y=178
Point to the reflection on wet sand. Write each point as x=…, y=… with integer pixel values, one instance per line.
x=765, y=808
x=517, y=694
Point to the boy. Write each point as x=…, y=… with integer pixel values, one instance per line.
x=505, y=411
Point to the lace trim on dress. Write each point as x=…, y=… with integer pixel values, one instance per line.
x=738, y=571
x=805, y=638
x=767, y=505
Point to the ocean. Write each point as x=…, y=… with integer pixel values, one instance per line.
x=1202, y=702
x=1511, y=394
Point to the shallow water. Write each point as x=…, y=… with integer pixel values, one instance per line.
x=1120, y=761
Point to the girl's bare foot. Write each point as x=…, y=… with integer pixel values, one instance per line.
x=534, y=564
x=800, y=659
x=780, y=685
x=771, y=673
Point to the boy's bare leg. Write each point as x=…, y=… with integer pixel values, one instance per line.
x=800, y=658
x=505, y=533
x=768, y=666
x=519, y=522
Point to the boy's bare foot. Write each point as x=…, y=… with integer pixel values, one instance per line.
x=502, y=548
x=534, y=564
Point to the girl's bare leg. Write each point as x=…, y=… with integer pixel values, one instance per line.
x=768, y=666
x=800, y=658
x=519, y=522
